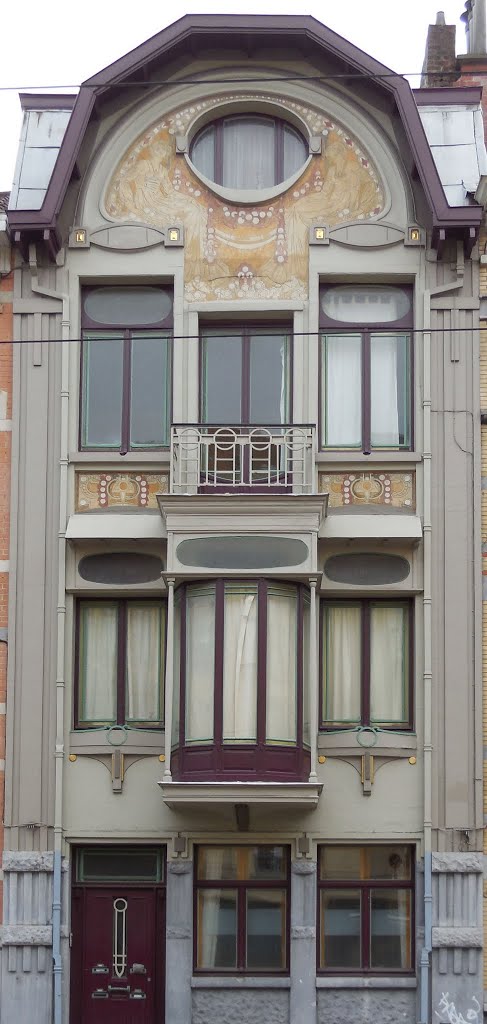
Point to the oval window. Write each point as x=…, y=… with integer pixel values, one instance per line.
x=365, y=304
x=248, y=151
x=128, y=307
x=120, y=568
x=366, y=569
x=242, y=552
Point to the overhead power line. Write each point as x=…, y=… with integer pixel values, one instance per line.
x=150, y=83
x=196, y=337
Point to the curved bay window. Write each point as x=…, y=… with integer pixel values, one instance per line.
x=240, y=695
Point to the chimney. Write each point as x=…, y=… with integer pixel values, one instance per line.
x=440, y=65
x=474, y=18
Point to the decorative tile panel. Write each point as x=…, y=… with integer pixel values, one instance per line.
x=110, y=490
x=396, y=490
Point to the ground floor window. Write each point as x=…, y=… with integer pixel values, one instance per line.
x=365, y=908
x=242, y=909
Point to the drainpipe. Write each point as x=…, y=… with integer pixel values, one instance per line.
x=61, y=616
x=427, y=626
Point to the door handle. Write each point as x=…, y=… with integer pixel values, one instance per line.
x=99, y=969
x=138, y=969
x=119, y=988
x=138, y=994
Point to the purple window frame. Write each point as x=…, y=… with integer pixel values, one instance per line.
x=331, y=327
x=364, y=886
x=246, y=332
x=121, y=604
x=218, y=126
x=242, y=885
x=365, y=606
x=253, y=761
x=88, y=325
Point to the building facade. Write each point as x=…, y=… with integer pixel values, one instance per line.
x=244, y=735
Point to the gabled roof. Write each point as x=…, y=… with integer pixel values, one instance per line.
x=305, y=37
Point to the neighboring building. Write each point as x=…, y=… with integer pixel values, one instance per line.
x=6, y=325
x=244, y=739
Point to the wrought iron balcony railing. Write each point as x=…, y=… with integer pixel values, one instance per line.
x=261, y=458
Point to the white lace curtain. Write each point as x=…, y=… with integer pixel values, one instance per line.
x=98, y=656
x=144, y=668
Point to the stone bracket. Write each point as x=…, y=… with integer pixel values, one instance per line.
x=457, y=938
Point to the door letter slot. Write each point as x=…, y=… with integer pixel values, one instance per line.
x=99, y=969
x=99, y=993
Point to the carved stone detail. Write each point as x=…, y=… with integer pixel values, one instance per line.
x=180, y=867
x=303, y=932
x=26, y=935
x=459, y=938
x=464, y=863
x=303, y=867
x=27, y=860
x=173, y=932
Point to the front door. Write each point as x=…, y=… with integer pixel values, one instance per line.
x=117, y=955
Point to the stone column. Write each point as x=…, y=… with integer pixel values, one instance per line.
x=179, y=941
x=457, y=980
x=303, y=943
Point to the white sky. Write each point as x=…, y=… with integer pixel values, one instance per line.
x=61, y=44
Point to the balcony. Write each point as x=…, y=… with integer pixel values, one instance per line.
x=208, y=458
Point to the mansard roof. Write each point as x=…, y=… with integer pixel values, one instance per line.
x=301, y=37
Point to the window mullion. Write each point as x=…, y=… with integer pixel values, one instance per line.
x=218, y=153
x=366, y=394
x=278, y=152
x=242, y=927
x=218, y=671
x=121, y=661
x=365, y=915
x=261, y=664
x=125, y=446
x=365, y=664
x=245, y=378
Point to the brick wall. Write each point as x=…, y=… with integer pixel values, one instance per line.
x=6, y=323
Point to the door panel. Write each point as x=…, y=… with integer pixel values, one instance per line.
x=118, y=955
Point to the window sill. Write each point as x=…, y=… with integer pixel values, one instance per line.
x=346, y=743
x=213, y=795
x=108, y=457
x=325, y=458
x=219, y=981
x=139, y=741
x=392, y=981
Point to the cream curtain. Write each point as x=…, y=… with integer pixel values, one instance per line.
x=144, y=666
x=384, y=393
x=387, y=694
x=281, y=666
x=200, y=664
x=98, y=653
x=248, y=153
x=240, y=664
x=342, y=658
x=342, y=388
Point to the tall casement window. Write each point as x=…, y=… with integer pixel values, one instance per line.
x=366, y=908
x=249, y=152
x=241, y=702
x=242, y=909
x=120, y=658
x=366, y=664
x=126, y=368
x=245, y=375
x=366, y=367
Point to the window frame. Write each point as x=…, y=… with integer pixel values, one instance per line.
x=163, y=329
x=121, y=721
x=279, y=125
x=242, y=886
x=246, y=331
x=259, y=758
x=365, y=604
x=404, y=326
x=365, y=885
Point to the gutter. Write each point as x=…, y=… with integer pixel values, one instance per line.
x=60, y=650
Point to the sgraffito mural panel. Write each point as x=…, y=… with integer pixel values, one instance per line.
x=235, y=251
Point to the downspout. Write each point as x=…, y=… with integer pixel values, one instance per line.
x=60, y=650
x=428, y=647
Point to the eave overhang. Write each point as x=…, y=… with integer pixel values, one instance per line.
x=303, y=34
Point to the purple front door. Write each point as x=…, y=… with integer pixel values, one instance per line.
x=117, y=955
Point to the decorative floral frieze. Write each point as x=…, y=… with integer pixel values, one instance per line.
x=109, y=490
x=396, y=490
